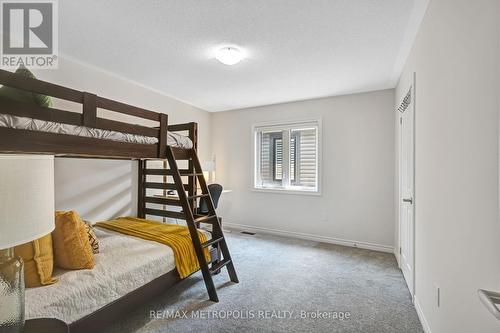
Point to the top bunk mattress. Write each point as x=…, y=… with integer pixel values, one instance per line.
x=24, y=123
x=123, y=264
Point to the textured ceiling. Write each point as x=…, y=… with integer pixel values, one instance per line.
x=297, y=49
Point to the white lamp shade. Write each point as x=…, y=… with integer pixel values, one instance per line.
x=26, y=198
x=208, y=166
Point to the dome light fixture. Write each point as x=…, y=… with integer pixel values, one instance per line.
x=229, y=55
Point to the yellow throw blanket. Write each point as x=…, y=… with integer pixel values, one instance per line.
x=175, y=236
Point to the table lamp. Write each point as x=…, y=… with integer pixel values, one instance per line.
x=208, y=168
x=26, y=214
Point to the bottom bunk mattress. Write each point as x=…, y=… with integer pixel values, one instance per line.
x=124, y=264
x=24, y=123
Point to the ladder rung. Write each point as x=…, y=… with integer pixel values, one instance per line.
x=164, y=213
x=211, y=242
x=218, y=267
x=163, y=201
x=168, y=172
x=164, y=186
x=192, y=174
x=158, y=172
x=204, y=218
x=197, y=196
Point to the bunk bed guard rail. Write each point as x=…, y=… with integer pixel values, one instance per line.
x=90, y=103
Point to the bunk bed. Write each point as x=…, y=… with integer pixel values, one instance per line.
x=28, y=128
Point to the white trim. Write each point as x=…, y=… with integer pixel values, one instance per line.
x=317, y=121
x=396, y=254
x=421, y=316
x=415, y=196
x=286, y=191
x=316, y=238
x=412, y=90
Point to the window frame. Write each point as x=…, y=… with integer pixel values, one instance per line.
x=282, y=125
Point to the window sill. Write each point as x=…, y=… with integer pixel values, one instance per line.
x=287, y=191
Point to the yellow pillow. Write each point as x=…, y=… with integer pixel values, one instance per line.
x=72, y=248
x=38, y=261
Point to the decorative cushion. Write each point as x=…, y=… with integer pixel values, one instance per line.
x=25, y=96
x=72, y=248
x=93, y=240
x=38, y=261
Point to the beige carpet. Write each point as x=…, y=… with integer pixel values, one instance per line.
x=287, y=285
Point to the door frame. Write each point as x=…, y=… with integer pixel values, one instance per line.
x=412, y=90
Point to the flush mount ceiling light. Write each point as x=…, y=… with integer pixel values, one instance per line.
x=229, y=55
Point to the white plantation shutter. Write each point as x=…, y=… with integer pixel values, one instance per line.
x=293, y=159
x=278, y=159
x=287, y=156
x=265, y=158
x=271, y=158
x=306, y=157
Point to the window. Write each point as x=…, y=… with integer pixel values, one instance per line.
x=286, y=156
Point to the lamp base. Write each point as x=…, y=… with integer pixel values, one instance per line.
x=11, y=292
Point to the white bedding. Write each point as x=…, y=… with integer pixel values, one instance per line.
x=124, y=264
x=173, y=139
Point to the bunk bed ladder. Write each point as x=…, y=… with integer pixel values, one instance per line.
x=187, y=202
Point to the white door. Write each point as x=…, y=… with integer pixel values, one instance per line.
x=407, y=198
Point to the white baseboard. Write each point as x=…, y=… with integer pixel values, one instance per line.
x=396, y=254
x=316, y=238
x=420, y=313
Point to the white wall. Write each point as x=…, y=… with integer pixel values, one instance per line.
x=457, y=61
x=101, y=189
x=357, y=203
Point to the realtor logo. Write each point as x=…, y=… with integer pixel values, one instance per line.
x=29, y=34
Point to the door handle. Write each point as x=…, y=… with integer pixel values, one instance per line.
x=409, y=200
x=491, y=300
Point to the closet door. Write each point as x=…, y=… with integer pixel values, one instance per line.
x=407, y=183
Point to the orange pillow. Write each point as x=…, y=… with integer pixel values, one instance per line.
x=72, y=248
x=38, y=261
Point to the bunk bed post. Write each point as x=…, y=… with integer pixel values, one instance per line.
x=142, y=190
x=162, y=140
x=162, y=149
x=193, y=135
x=89, y=110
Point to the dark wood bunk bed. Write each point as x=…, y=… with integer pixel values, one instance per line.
x=15, y=140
